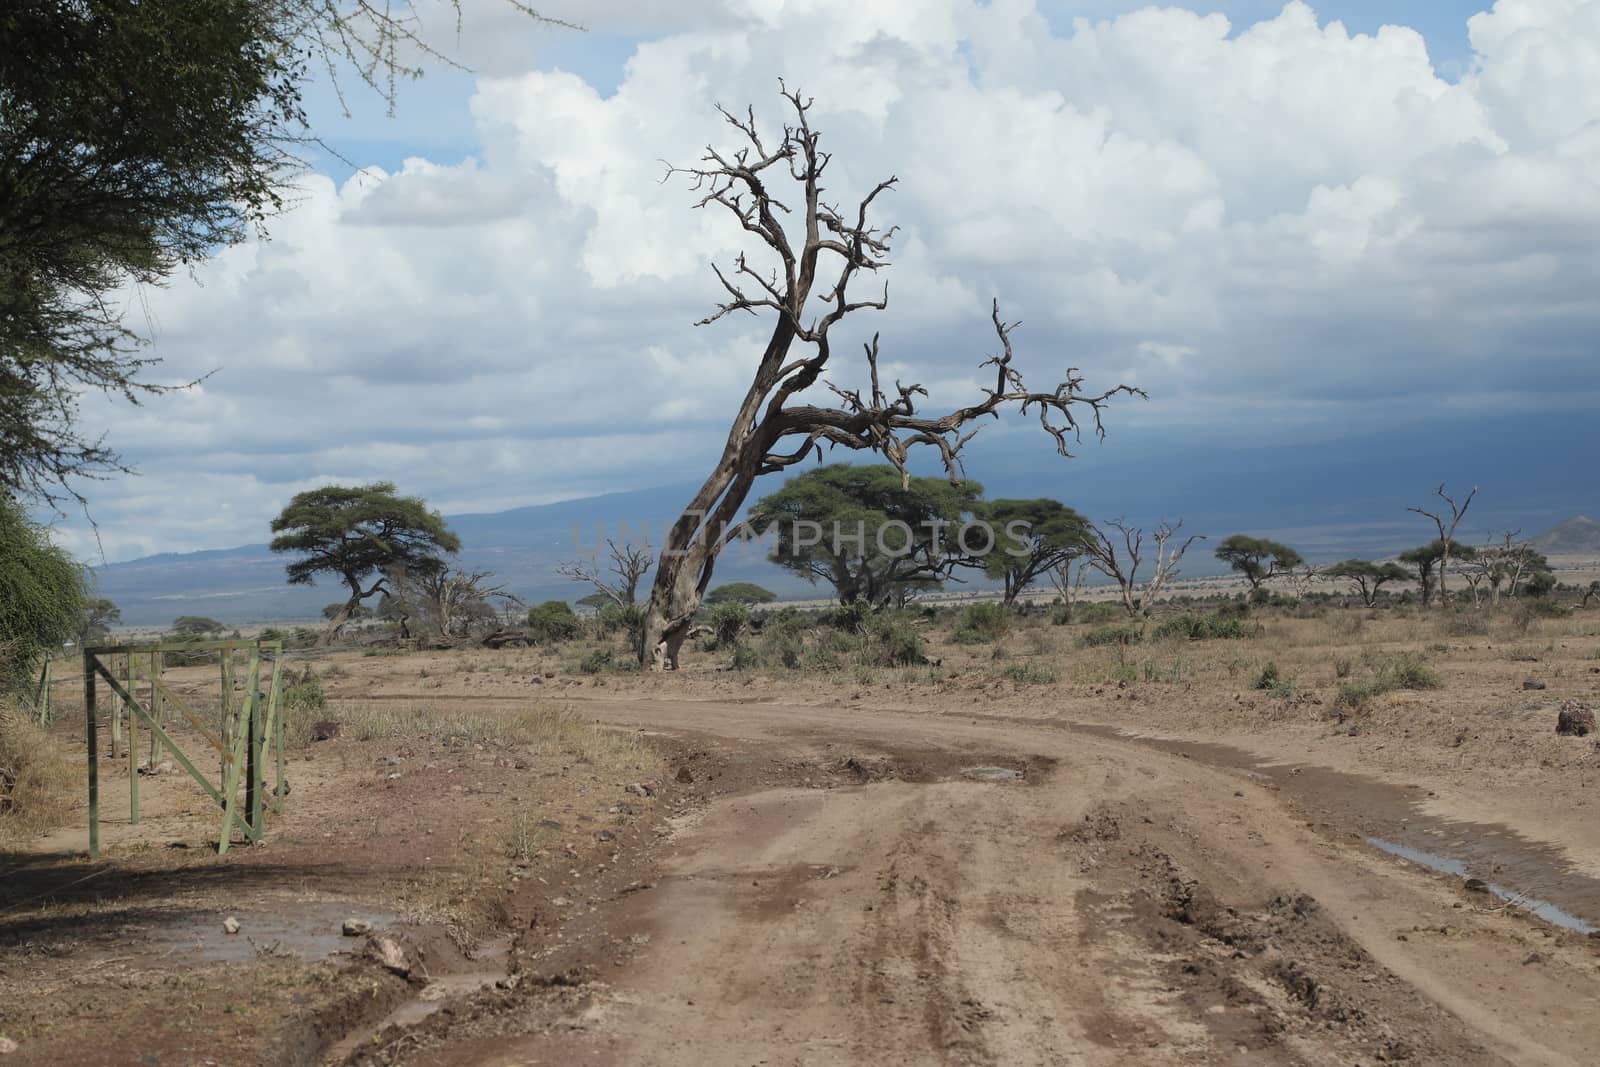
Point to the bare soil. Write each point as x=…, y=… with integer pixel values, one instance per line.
x=1142, y=859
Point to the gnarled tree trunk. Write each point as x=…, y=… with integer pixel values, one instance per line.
x=769, y=434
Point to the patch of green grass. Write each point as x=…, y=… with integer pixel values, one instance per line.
x=981, y=624
x=1204, y=628
x=1123, y=634
x=1030, y=674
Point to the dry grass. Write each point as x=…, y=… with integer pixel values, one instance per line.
x=36, y=787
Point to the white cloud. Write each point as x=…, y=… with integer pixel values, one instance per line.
x=1240, y=221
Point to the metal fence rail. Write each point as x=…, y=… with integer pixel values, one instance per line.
x=250, y=732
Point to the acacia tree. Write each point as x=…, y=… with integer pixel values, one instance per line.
x=746, y=593
x=1447, y=532
x=1122, y=564
x=1257, y=558
x=136, y=138
x=42, y=595
x=1368, y=577
x=1033, y=538
x=775, y=427
x=629, y=563
x=359, y=535
x=868, y=531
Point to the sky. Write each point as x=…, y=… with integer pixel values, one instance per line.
x=1298, y=227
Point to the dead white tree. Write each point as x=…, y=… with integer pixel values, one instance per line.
x=629, y=563
x=775, y=427
x=1121, y=564
x=1068, y=587
x=1447, y=532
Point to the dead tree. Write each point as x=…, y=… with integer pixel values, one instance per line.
x=630, y=563
x=1447, y=533
x=1122, y=564
x=1068, y=587
x=776, y=426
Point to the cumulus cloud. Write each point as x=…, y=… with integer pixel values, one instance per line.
x=1280, y=217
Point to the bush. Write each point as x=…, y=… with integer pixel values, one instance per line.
x=1029, y=674
x=1124, y=634
x=746, y=658
x=552, y=622
x=981, y=624
x=851, y=618
x=893, y=642
x=36, y=789
x=1099, y=614
x=1269, y=676
x=1405, y=671
x=42, y=596
x=614, y=618
x=728, y=621
x=1203, y=627
x=606, y=661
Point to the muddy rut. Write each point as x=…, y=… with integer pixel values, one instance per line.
x=1102, y=902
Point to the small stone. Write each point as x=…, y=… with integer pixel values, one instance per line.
x=230, y=925
x=559, y=902
x=1475, y=885
x=390, y=954
x=1532, y=683
x=604, y=835
x=325, y=730
x=355, y=928
x=549, y=824
x=7, y=1046
x=685, y=776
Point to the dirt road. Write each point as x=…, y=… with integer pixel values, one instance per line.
x=1089, y=899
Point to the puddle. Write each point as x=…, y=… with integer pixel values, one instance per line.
x=992, y=774
x=1542, y=908
x=490, y=967
x=307, y=931
x=1536, y=875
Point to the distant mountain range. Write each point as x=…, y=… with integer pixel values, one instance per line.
x=1577, y=536
x=523, y=546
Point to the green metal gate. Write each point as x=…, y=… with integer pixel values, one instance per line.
x=250, y=734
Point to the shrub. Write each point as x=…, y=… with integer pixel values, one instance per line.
x=1029, y=674
x=1061, y=615
x=36, y=789
x=893, y=642
x=728, y=621
x=746, y=658
x=1268, y=677
x=552, y=622
x=1465, y=624
x=606, y=660
x=1408, y=671
x=851, y=618
x=981, y=624
x=614, y=618
x=1099, y=614
x=1124, y=634
x=1203, y=627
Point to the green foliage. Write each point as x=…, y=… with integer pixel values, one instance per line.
x=1268, y=676
x=728, y=621
x=42, y=596
x=877, y=533
x=851, y=618
x=1032, y=537
x=1099, y=613
x=1116, y=634
x=1368, y=577
x=607, y=661
x=197, y=626
x=1029, y=674
x=1257, y=558
x=746, y=658
x=303, y=694
x=354, y=533
x=614, y=618
x=552, y=622
x=981, y=624
x=1203, y=628
x=1404, y=671
x=99, y=616
x=748, y=593
x=893, y=641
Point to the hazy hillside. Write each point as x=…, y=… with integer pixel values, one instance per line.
x=1577, y=536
